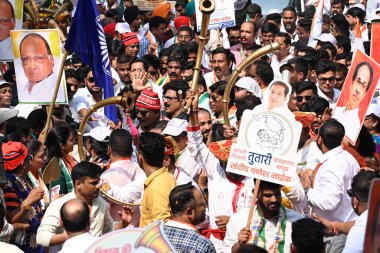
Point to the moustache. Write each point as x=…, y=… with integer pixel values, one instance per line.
x=217, y=69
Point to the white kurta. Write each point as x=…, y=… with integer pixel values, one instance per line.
x=309, y=153
x=350, y=120
x=328, y=197
x=6, y=52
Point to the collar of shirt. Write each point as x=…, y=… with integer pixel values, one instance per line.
x=323, y=95
x=154, y=175
x=182, y=225
x=331, y=153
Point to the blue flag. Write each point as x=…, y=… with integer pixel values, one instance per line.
x=86, y=38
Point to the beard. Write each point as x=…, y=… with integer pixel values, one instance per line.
x=266, y=209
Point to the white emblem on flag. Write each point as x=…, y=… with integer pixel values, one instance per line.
x=103, y=48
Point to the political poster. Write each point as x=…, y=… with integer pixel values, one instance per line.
x=268, y=139
x=222, y=17
x=357, y=93
x=10, y=19
x=372, y=235
x=149, y=5
x=37, y=60
x=151, y=239
x=375, y=41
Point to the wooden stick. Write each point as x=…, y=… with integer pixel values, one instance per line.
x=253, y=204
x=56, y=88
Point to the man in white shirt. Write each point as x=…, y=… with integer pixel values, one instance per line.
x=333, y=175
x=223, y=61
x=75, y=216
x=281, y=56
x=38, y=64
x=85, y=176
x=326, y=81
x=7, y=16
x=348, y=115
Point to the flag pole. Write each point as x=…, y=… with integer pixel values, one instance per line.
x=56, y=88
x=253, y=204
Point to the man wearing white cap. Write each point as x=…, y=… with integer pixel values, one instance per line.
x=5, y=115
x=97, y=143
x=246, y=86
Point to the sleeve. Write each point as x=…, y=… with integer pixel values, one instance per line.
x=144, y=44
x=232, y=232
x=201, y=153
x=50, y=225
x=109, y=223
x=329, y=191
x=7, y=231
x=80, y=103
x=129, y=192
x=11, y=199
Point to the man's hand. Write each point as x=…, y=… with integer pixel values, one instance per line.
x=20, y=226
x=305, y=179
x=244, y=236
x=139, y=79
x=326, y=114
x=329, y=229
x=229, y=132
x=126, y=215
x=152, y=47
x=222, y=221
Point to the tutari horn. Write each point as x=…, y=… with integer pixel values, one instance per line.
x=257, y=54
x=153, y=239
x=207, y=7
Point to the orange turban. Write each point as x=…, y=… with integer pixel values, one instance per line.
x=162, y=10
x=221, y=149
x=305, y=118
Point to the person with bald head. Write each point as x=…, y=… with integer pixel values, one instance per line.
x=248, y=32
x=75, y=218
x=7, y=23
x=37, y=62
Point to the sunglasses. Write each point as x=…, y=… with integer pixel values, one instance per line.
x=91, y=79
x=301, y=98
x=143, y=113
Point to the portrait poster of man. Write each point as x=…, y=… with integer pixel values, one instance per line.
x=10, y=19
x=37, y=63
x=357, y=93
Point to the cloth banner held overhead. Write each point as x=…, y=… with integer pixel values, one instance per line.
x=86, y=38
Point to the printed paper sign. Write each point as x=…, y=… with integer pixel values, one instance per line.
x=38, y=57
x=149, y=5
x=357, y=93
x=222, y=17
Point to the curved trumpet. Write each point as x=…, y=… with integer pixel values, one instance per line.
x=207, y=7
x=257, y=54
x=127, y=102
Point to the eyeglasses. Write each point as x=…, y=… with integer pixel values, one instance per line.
x=301, y=98
x=4, y=21
x=91, y=80
x=237, y=89
x=38, y=58
x=324, y=80
x=143, y=113
x=169, y=98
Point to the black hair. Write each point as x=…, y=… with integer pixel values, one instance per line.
x=286, y=36
x=251, y=248
x=178, y=59
x=360, y=65
x=36, y=35
x=356, y=12
x=202, y=82
x=276, y=17
x=365, y=145
x=179, y=52
x=269, y=27
x=341, y=68
x=33, y=147
x=343, y=42
x=156, y=21
x=307, y=235
x=325, y=66
x=177, y=85
x=181, y=198
x=332, y=133
x=182, y=3
x=188, y=65
x=192, y=47
x=161, y=124
x=264, y=71
x=253, y=10
x=217, y=132
x=100, y=148
x=85, y=169
x=57, y=135
x=335, y=2
x=18, y=124
x=265, y=185
x=152, y=148
x=122, y=59
x=144, y=62
x=361, y=184
x=305, y=24
x=341, y=24
x=219, y=88
x=71, y=73
x=326, y=19
x=233, y=28
x=249, y=103
x=318, y=105
x=289, y=8
x=220, y=50
x=187, y=29
x=300, y=65
x=121, y=142
x=37, y=119
x=164, y=52
x=152, y=60
x=78, y=221
x=306, y=85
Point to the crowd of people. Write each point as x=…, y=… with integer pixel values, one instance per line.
x=170, y=163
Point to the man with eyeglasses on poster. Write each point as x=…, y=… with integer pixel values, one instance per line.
x=38, y=64
x=7, y=23
x=348, y=114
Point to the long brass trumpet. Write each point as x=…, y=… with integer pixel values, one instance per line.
x=257, y=54
x=127, y=102
x=207, y=7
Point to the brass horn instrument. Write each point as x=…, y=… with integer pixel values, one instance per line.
x=207, y=7
x=127, y=101
x=257, y=54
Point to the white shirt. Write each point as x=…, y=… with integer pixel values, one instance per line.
x=6, y=52
x=223, y=194
x=309, y=153
x=188, y=164
x=333, y=101
x=350, y=120
x=41, y=91
x=238, y=221
x=80, y=243
x=9, y=248
x=275, y=64
x=101, y=220
x=328, y=197
x=355, y=238
x=210, y=78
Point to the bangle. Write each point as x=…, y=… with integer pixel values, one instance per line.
x=335, y=231
x=26, y=204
